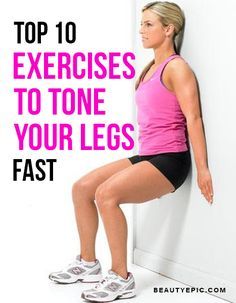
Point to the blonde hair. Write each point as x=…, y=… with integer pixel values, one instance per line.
x=169, y=13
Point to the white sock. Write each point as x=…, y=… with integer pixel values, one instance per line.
x=89, y=263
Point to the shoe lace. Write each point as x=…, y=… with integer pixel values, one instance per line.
x=104, y=281
x=72, y=264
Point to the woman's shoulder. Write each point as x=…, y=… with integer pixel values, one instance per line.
x=179, y=72
x=179, y=63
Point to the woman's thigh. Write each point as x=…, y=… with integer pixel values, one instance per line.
x=90, y=181
x=136, y=184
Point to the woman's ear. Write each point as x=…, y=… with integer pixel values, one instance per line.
x=170, y=29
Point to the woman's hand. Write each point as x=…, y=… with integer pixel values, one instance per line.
x=205, y=184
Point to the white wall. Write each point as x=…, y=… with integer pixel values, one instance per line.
x=180, y=235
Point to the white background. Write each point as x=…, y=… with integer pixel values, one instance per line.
x=180, y=235
x=37, y=224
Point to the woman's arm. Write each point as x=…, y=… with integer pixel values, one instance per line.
x=184, y=85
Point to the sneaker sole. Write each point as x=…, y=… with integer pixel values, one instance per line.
x=127, y=295
x=86, y=279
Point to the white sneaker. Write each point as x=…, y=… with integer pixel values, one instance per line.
x=78, y=271
x=110, y=288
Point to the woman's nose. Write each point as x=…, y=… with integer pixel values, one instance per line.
x=141, y=30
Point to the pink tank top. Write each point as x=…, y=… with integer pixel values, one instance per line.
x=162, y=124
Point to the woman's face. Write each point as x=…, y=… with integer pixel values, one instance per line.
x=152, y=31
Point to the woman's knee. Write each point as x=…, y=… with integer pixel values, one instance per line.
x=82, y=188
x=106, y=196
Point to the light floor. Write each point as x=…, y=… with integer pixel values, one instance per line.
x=145, y=280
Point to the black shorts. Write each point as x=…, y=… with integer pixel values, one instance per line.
x=174, y=166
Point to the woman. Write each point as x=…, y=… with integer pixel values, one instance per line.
x=168, y=107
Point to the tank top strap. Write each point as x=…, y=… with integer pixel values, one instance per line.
x=162, y=66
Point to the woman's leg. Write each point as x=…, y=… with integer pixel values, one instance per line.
x=83, y=193
x=136, y=184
